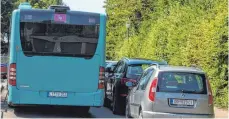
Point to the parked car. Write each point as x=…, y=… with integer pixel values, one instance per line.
x=110, y=65
x=116, y=90
x=169, y=91
x=110, y=61
x=4, y=62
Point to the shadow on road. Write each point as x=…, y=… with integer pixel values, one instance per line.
x=48, y=112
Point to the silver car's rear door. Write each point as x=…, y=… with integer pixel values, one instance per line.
x=182, y=92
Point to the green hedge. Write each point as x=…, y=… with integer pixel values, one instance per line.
x=182, y=32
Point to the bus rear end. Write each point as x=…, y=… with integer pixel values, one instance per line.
x=57, y=57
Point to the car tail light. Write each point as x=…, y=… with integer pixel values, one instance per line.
x=124, y=80
x=152, y=90
x=12, y=74
x=210, y=95
x=101, y=77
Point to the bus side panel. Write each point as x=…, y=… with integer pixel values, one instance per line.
x=102, y=40
x=103, y=52
x=14, y=39
x=13, y=96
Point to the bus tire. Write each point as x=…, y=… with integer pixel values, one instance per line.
x=84, y=110
x=10, y=105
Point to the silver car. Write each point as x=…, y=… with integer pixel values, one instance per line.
x=171, y=92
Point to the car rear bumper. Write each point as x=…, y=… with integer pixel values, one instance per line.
x=149, y=114
x=26, y=97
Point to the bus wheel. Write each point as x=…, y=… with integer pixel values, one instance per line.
x=84, y=110
x=10, y=105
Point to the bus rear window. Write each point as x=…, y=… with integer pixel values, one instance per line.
x=50, y=39
x=181, y=82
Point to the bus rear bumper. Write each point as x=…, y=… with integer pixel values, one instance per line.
x=25, y=97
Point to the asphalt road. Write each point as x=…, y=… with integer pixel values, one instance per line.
x=52, y=112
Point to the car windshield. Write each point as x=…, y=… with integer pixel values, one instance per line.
x=135, y=71
x=4, y=59
x=181, y=82
x=111, y=65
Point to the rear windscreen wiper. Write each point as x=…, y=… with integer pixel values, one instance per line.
x=189, y=91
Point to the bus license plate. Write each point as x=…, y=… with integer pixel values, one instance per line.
x=182, y=102
x=58, y=94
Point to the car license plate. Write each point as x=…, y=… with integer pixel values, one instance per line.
x=58, y=94
x=182, y=102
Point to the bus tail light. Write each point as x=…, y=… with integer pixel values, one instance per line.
x=152, y=90
x=101, y=77
x=12, y=74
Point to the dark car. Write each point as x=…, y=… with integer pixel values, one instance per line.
x=126, y=70
x=110, y=65
x=4, y=61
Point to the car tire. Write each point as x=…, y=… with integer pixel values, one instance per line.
x=127, y=111
x=115, y=106
x=140, y=116
x=106, y=100
x=10, y=105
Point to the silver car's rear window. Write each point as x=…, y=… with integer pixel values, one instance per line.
x=181, y=82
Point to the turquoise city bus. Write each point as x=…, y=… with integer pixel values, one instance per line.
x=57, y=57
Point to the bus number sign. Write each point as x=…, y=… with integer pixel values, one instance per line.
x=60, y=17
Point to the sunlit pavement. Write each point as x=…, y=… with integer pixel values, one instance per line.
x=65, y=112
x=52, y=112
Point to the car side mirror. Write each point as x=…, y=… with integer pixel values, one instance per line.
x=109, y=70
x=130, y=84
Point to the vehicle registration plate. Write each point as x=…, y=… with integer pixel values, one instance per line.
x=58, y=94
x=181, y=102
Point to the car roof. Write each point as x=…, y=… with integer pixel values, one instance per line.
x=143, y=61
x=110, y=61
x=180, y=69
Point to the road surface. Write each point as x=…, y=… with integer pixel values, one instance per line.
x=52, y=112
x=66, y=112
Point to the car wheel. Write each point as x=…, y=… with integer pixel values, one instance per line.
x=115, y=106
x=140, y=116
x=127, y=112
x=106, y=102
x=10, y=105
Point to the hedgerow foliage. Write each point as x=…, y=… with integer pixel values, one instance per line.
x=182, y=32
